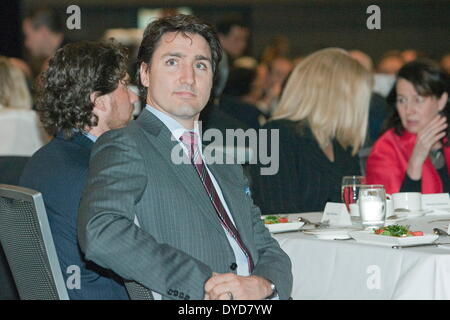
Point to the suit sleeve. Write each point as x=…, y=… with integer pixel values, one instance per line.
x=384, y=166
x=273, y=263
x=106, y=230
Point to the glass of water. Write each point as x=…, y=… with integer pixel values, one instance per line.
x=372, y=206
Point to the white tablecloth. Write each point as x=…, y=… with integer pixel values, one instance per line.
x=345, y=269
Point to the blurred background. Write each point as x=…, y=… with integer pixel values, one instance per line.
x=262, y=40
x=307, y=25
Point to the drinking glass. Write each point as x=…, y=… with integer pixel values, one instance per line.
x=372, y=206
x=350, y=190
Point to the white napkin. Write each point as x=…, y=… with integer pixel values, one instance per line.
x=336, y=215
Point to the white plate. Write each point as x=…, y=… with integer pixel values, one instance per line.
x=331, y=233
x=284, y=227
x=292, y=225
x=370, y=238
x=399, y=216
x=411, y=214
x=441, y=211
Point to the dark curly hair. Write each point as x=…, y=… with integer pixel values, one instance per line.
x=74, y=73
x=178, y=23
x=428, y=80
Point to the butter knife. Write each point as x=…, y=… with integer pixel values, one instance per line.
x=419, y=245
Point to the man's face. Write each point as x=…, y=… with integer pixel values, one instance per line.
x=180, y=76
x=235, y=41
x=120, y=106
x=34, y=38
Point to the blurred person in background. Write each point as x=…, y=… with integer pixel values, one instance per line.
x=390, y=62
x=82, y=95
x=43, y=29
x=238, y=94
x=386, y=70
x=257, y=86
x=233, y=37
x=410, y=55
x=322, y=123
x=414, y=154
x=445, y=63
x=363, y=58
x=378, y=109
x=278, y=47
x=277, y=72
x=20, y=129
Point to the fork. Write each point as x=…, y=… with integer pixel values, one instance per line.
x=317, y=225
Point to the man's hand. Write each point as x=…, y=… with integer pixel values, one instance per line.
x=226, y=286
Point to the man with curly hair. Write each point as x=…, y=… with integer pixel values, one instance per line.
x=82, y=95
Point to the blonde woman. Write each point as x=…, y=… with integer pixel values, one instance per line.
x=21, y=132
x=322, y=121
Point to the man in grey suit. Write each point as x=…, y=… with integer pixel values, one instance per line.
x=184, y=230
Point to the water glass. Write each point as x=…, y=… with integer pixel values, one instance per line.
x=372, y=206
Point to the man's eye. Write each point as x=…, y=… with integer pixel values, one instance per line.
x=171, y=62
x=201, y=66
x=400, y=100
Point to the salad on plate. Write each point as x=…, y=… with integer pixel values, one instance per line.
x=275, y=219
x=397, y=231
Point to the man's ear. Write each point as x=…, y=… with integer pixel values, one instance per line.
x=443, y=101
x=143, y=74
x=98, y=100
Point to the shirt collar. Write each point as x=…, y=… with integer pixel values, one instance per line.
x=90, y=136
x=173, y=125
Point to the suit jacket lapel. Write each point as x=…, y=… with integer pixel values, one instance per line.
x=185, y=172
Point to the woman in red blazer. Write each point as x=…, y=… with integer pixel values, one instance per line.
x=414, y=154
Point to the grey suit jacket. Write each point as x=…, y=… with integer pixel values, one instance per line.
x=180, y=241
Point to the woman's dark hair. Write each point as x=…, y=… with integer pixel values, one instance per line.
x=178, y=23
x=428, y=80
x=75, y=72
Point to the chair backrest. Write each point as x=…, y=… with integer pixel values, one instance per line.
x=28, y=244
x=8, y=290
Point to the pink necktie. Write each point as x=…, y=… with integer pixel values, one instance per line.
x=189, y=139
